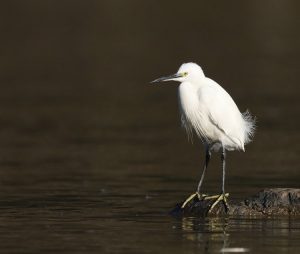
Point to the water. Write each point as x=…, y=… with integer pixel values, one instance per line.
x=92, y=156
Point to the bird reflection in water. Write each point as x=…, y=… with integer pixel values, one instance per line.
x=211, y=234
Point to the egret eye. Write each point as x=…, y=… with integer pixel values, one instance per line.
x=185, y=74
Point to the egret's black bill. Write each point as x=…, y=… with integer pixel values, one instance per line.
x=166, y=78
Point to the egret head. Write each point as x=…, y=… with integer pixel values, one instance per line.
x=190, y=72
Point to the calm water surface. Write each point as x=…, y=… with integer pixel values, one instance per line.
x=92, y=156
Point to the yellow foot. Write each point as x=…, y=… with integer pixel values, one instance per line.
x=222, y=197
x=191, y=197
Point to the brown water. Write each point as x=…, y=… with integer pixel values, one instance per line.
x=92, y=156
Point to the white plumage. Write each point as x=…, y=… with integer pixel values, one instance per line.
x=208, y=109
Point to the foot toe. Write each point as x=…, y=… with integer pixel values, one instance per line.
x=223, y=198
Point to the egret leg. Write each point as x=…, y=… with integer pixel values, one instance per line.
x=223, y=159
x=223, y=196
x=191, y=197
x=207, y=159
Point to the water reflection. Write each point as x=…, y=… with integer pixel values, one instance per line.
x=240, y=234
x=209, y=233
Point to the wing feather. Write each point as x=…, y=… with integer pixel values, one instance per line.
x=222, y=112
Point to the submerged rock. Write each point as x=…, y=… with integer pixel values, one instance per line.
x=277, y=201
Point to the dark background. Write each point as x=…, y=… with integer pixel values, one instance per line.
x=75, y=78
x=80, y=125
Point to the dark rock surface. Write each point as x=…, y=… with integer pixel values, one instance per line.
x=277, y=201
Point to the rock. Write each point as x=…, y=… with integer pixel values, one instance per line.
x=277, y=201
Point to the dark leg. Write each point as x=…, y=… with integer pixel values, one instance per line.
x=223, y=157
x=207, y=159
x=223, y=196
x=191, y=197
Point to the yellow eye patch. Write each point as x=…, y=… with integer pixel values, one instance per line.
x=184, y=74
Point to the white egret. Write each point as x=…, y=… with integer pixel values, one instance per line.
x=209, y=111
